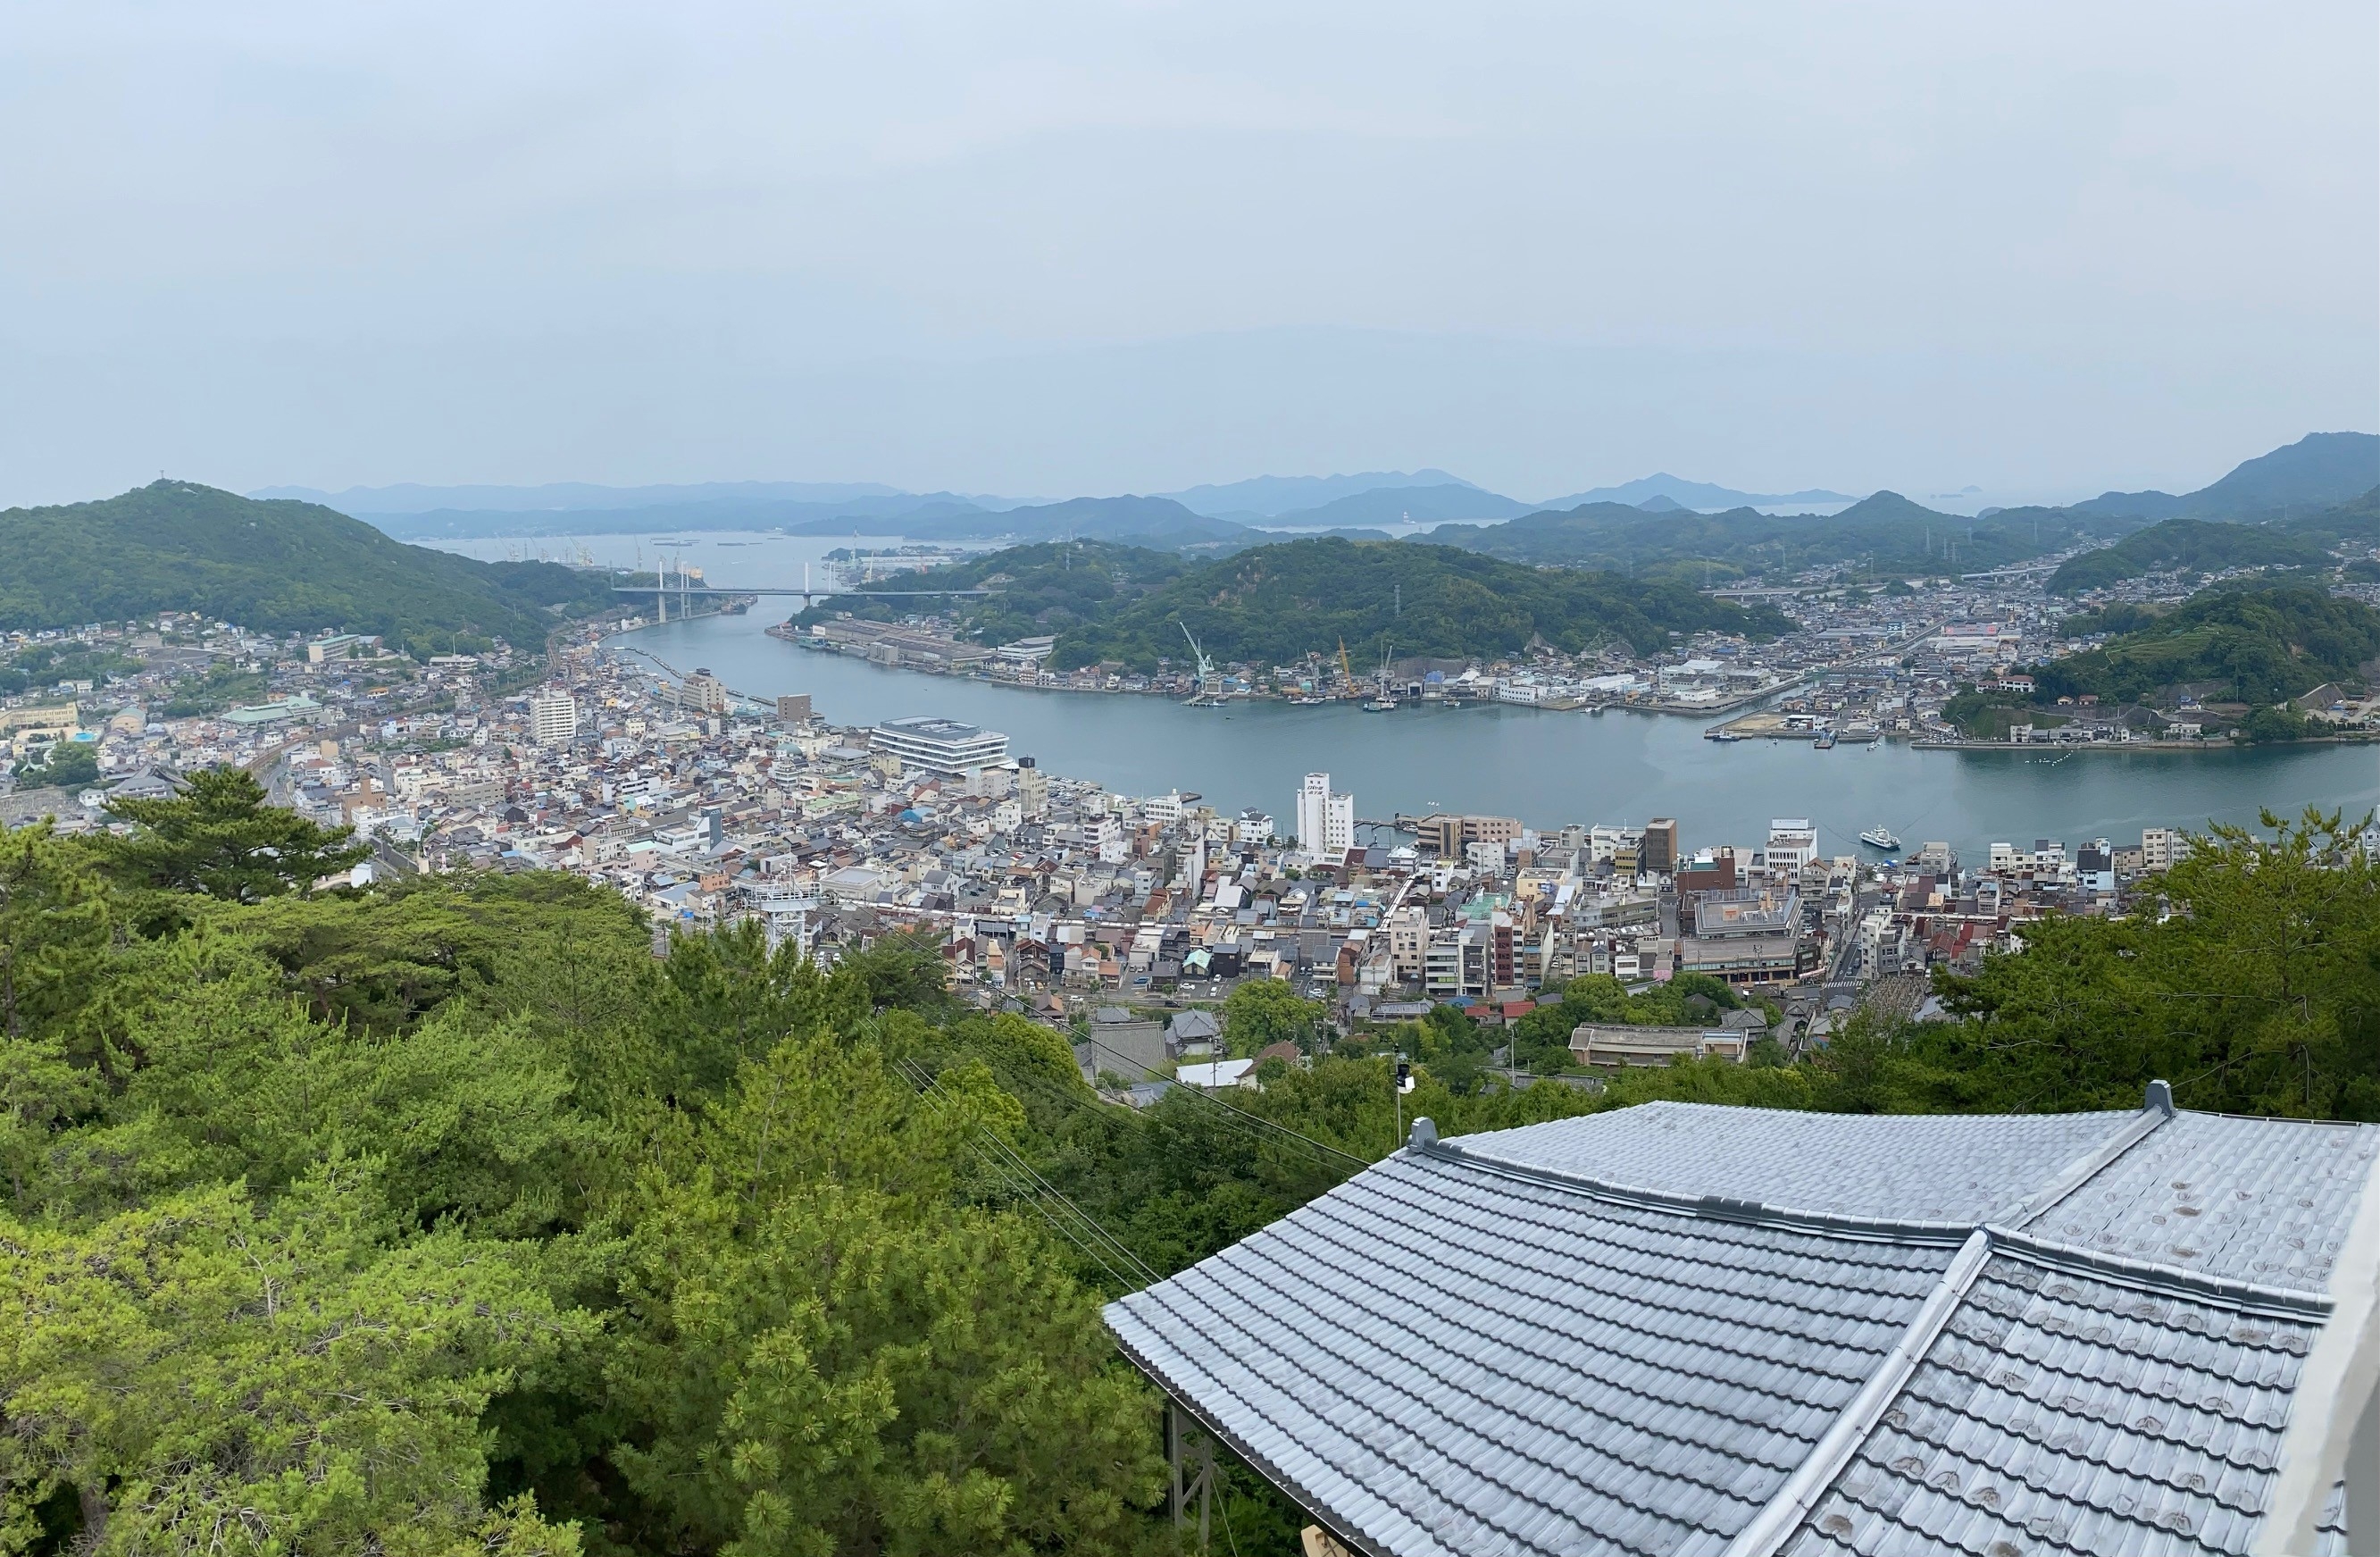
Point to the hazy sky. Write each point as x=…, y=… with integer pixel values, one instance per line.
x=1057, y=249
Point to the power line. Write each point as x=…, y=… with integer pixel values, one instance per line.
x=1241, y=1114
x=930, y=1084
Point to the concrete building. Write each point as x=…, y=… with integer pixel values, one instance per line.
x=553, y=718
x=1792, y=842
x=2160, y=846
x=1449, y=837
x=1325, y=819
x=942, y=747
x=1658, y=853
x=793, y=708
x=704, y=692
x=1747, y=936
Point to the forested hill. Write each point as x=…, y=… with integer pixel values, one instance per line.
x=1884, y=534
x=1276, y=604
x=2194, y=544
x=2249, y=645
x=279, y=565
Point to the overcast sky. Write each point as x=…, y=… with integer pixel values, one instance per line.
x=1039, y=248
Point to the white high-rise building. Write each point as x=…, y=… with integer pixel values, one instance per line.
x=2160, y=846
x=553, y=718
x=1325, y=819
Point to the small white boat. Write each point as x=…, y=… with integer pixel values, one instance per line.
x=1880, y=838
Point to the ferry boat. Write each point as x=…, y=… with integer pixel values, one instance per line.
x=1880, y=838
x=1826, y=741
x=1720, y=735
x=1380, y=705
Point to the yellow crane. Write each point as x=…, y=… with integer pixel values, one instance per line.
x=1345, y=668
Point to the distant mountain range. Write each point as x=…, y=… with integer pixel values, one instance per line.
x=572, y=497
x=1679, y=493
x=1265, y=497
x=1431, y=505
x=1696, y=523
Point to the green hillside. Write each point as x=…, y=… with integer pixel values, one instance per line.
x=278, y=565
x=1275, y=605
x=2197, y=545
x=1885, y=534
x=2250, y=646
x=2356, y=521
x=1049, y=587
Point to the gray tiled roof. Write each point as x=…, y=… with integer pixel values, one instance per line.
x=1665, y=1329
x=1466, y=1363
x=2262, y=1201
x=2057, y=1413
x=1920, y=1167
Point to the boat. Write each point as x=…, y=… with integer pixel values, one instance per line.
x=1826, y=741
x=1876, y=745
x=1880, y=838
x=1380, y=705
x=1721, y=735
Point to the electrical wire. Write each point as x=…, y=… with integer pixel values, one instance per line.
x=1006, y=1163
x=1243, y=1114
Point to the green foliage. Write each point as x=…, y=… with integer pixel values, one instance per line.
x=280, y=567
x=44, y=664
x=204, y=1375
x=443, y=1216
x=1541, y=1039
x=223, y=686
x=1050, y=587
x=67, y=764
x=824, y=1356
x=218, y=837
x=2260, y=994
x=1277, y=604
x=2266, y=725
x=2254, y=646
x=1986, y=716
x=2193, y=545
x=1261, y=1012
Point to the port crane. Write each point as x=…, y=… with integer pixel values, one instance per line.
x=1207, y=676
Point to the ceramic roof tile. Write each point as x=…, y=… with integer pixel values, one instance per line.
x=1466, y=1350
x=2055, y=1412
x=1480, y=1364
x=2264, y=1200
x=1923, y=1167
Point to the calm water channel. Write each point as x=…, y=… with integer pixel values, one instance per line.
x=1545, y=767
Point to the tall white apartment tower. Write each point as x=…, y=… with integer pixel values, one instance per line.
x=553, y=718
x=1325, y=819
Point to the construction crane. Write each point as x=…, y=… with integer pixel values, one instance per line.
x=1205, y=665
x=1345, y=668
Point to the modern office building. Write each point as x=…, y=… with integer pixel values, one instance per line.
x=553, y=718
x=941, y=745
x=793, y=708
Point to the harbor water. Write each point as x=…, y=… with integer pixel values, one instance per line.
x=1545, y=767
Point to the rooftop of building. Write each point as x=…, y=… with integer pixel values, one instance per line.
x=1690, y=1329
